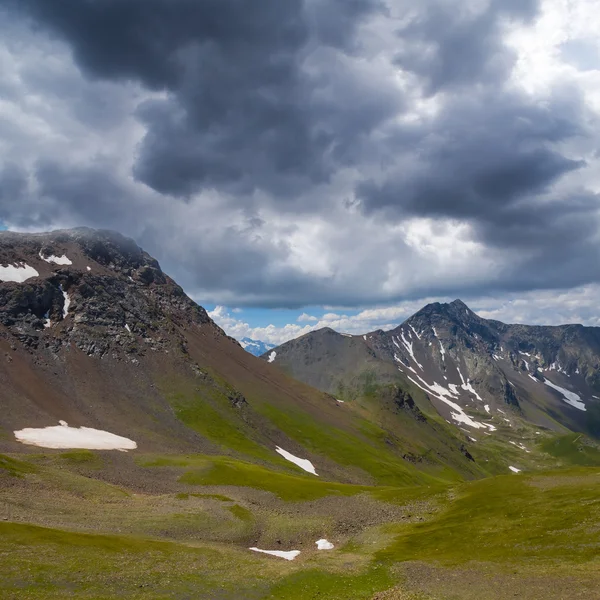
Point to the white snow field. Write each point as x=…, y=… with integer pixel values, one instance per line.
x=272, y=356
x=514, y=469
x=303, y=463
x=57, y=260
x=290, y=555
x=64, y=437
x=324, y=544
x=569, y=397
x=17, y=274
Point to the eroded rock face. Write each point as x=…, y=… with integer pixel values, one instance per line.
x=405, y=402
x=96, y=290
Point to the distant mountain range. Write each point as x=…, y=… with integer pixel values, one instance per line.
x=255, y=347
x=480, y=374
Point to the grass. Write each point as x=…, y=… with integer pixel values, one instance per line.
x=573, y=449
x=198, y=414
x=82, y=457
x=13, y=467
x=551, y=517
x=46, y=563
x=314, y=583
x=541, y=522
x=241, y=513
x=186, y=496
x=346, y=448
x=226, y=471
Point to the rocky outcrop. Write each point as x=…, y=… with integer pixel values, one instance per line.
x=110, y=297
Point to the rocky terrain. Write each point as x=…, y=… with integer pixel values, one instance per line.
x=146, y=454
x=94, y=334
x=470, y=368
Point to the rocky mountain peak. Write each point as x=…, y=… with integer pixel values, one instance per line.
x=95, y=288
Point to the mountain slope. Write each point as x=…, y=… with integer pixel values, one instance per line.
x=471, y=369
x=215, y=447
x=94, y=334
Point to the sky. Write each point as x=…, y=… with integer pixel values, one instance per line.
x=313, y=163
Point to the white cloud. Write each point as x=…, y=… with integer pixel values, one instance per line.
x=549, y=307
x=304, y=318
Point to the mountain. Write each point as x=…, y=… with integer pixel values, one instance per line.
x=96, y=335
x=478, y=373
x=146, y=454
x=255, y=347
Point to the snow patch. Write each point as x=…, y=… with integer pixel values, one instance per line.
x=127, y=327
x=272, y=356
x=487, y=408
x=89, y=268
x=415, y=332
x=290, y=555
x=17, y=274
x=570, y=398
x=324, y=545
x=514, y=469
x=440, y=393
x=467, y=386
x=303, y=463
x=67, y=302
x=64, y=437
x=57, y=260
x=409, y=347
x=519, y=446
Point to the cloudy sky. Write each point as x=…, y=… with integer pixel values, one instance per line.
x=302, y=163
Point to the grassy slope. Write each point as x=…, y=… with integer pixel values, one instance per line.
x=364, y=444
x=101, y=540
x=160, y=546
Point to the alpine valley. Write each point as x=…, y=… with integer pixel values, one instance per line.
x=146, y=454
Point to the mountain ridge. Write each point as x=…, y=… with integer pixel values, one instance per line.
x=143, y=452
x=95, y=334
x=447, y=351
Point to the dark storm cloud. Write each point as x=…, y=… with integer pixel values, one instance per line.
x=334, y=21
x=448, y=44
x=144, y=39
x=264, y=104
x=240, y=113
x=489, y=160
